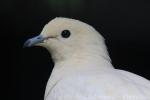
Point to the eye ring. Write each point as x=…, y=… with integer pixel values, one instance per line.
x=65, y=33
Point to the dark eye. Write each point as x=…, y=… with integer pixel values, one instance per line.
x=65, y=33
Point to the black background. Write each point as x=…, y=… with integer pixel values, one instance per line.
x=125, y=24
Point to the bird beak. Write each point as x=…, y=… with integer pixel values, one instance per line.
x=33, y=41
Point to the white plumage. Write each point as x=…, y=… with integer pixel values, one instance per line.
x=83, y=69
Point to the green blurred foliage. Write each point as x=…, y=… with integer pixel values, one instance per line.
x=66, y=6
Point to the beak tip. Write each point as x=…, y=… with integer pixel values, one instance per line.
x=27, y=44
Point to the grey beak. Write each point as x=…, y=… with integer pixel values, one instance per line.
x=33, y=41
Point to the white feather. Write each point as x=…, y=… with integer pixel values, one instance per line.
x=83, y=69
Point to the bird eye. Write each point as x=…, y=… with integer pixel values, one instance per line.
x=65, y=33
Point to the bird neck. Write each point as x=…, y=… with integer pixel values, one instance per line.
x=87, y=58
x=81, y=62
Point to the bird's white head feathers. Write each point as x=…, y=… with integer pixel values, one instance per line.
x=69, y=38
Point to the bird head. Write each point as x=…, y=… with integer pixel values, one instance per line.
x=65, y=38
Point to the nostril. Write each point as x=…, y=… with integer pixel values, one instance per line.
x=39, y=38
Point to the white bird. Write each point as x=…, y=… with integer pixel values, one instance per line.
x=83, y=69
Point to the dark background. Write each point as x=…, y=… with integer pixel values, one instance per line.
x=125, y=24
